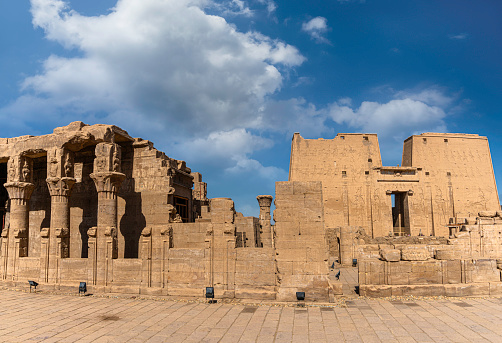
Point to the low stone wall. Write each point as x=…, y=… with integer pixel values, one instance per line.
x=429, y=277
x=255, y=276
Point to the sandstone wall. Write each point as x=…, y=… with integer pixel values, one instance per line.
x=458, y=171
x=300, y=241
x=341, y=165
x=442, y=176
x=255, y=273
x=429, y=278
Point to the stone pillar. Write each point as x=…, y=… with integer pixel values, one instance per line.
x=146, y=257
x=266, y=234
x=346, y=245
x=56, y=240
x=222, y=246
x=166, y=235
x=107, y=178
x=20, y=188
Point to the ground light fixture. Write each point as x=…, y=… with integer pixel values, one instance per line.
x=210, y=294
x=33, y=284
x=82, y=288
x=300, y=296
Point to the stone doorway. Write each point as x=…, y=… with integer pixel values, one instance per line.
x=400, y=214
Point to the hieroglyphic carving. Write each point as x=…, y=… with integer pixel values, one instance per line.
x=107, y=158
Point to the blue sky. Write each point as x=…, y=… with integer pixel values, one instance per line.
x=225, y=84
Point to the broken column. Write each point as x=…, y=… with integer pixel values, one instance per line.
x=266, y=234
x=56, y=240
x=103, y=239
x=20, y=188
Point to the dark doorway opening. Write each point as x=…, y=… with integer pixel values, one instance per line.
x=181, y=205
x=400, y=214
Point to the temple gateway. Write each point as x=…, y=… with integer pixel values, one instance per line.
x=89, y=203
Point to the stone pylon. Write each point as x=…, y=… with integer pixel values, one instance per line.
x=266, y=234
x=103, y=246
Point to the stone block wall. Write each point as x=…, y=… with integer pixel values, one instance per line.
x=300, y=241
x=428, y=278
x=255, y=273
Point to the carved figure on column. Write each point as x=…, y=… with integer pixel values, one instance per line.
x=19, y=189
x=107, y=178
x=60, y=183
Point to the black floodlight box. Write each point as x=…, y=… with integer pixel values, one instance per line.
x=300, y=296
x=82, y=288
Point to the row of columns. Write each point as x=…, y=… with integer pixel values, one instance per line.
x=55, y=241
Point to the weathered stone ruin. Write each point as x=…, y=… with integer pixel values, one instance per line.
x=430, y=226
x=92, y=204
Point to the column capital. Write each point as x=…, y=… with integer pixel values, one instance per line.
x=264, y=200
x=108, y=182
x=19, y=190
x=60, y=186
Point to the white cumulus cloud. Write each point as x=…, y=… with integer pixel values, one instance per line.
x=162, y=59
x=408, y=113
x=230, y=151
x=316, y=28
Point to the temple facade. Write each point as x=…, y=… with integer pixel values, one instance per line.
x=442, y=176
x=89, y=203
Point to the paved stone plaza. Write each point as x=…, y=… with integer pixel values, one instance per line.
x=26, y=317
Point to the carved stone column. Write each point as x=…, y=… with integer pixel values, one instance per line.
x=266, y=234
x=107, y=186
x=20, y=188
x=56, y=239
x=60, y=190
x=107, y=178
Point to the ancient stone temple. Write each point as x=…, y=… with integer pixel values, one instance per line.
x=441, y=176
x=92, y=204
x=430, y=226
x=89, y=203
